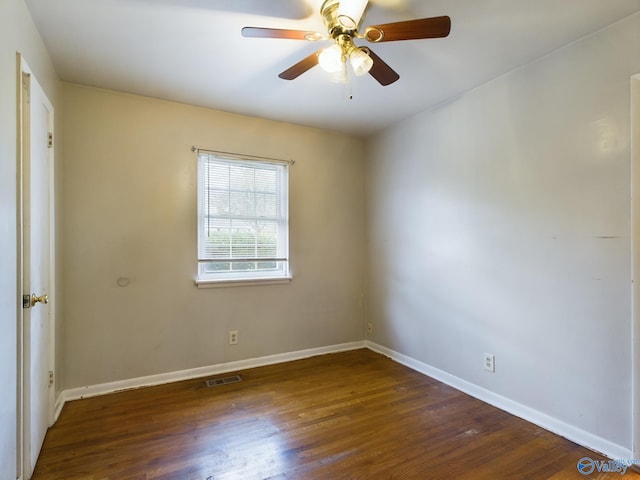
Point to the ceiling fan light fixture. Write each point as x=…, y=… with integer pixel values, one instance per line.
x=350, y=13
x=360, y=62
x=331, y=59
x=342, y=20
x=347, y=22
x=340, y=76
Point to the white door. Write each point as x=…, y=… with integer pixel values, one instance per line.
x=37, y=262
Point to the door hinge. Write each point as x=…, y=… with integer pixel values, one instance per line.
x=50, y=140
x=50, y=377
x=26, y=301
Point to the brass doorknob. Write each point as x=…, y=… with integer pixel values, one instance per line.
x=42, y=299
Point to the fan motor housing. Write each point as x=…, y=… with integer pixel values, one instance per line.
x=329, y=12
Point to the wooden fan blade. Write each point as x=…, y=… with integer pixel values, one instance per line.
x=302, y=66
x=383, y=73
x=263, y=32
x=434, y=27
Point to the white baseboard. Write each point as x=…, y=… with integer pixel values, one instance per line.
x=568, y=431
x=575, y=434
x=162, y=378
x=57, y=406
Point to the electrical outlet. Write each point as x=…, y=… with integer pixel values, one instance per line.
x=369, y=327
x=490, y=362
x=233, y=337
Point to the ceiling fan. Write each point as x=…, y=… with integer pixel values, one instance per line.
x=342, y=19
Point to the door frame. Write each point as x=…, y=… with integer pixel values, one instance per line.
x=22, y=430
x=635, y=260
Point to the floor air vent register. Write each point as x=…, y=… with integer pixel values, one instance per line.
x=216, y=382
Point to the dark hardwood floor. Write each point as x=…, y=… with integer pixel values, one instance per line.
x=353, y=415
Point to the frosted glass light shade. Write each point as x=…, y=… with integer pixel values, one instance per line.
x=361, y=62
x=350, y=12
x=330, y=59
x=341, y=75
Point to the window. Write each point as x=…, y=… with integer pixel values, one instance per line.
x=243, y=219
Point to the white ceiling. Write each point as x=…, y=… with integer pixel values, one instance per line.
x=191, y=51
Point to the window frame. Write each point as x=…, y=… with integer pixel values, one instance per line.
x=282, y=274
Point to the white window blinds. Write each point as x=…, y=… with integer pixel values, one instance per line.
x=242, y=218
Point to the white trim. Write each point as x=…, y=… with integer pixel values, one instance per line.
x=53, y=294
x=19, y=273
x=241, y=156
x=571, y=432
x=162, y=378
x=635, y=263
x=241, y=282
x=57, y=408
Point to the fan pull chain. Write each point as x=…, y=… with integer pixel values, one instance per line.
x=347, y=89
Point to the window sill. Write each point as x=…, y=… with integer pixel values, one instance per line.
x=248, y=282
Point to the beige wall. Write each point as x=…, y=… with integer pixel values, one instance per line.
x=17, y=34
x=130, y=211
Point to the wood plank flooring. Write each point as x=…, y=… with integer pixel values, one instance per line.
x=352, y=415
